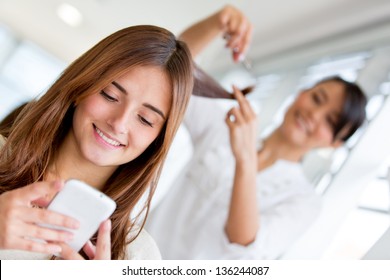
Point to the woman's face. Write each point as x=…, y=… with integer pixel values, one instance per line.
x=116, y=125
x=310, y=120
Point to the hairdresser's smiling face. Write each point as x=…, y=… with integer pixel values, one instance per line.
x=116, y=125
x=309, y=122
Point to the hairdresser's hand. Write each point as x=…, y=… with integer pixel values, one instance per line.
x=242, y=123
x=102, y=251
x=19, y=220
x=237, y=31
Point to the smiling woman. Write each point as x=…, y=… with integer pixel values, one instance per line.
x=324, y=115
x=118, y=124
x=108, y=120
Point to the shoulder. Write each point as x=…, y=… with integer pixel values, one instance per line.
x=22, y=255
x=143, y=248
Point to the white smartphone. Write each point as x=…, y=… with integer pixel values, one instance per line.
x=85, y=204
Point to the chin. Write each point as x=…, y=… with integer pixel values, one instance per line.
x=93, y=156
x=295, y=137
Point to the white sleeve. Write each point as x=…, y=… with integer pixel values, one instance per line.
x=143, y=248
x=279, y=228
x=201, y=116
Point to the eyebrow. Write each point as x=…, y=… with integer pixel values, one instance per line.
x=147, y=105
x=151, y=107
x=118, y=86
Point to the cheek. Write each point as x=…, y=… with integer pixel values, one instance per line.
x=90, y=108
x=324, y=136
x=301, y=101
x=143, y=137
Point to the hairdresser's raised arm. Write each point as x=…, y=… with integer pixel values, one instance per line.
x=228, y=22
x=242, y=222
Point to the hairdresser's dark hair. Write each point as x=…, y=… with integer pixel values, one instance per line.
x=353, y=113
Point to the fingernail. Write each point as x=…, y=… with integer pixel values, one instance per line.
x=236, y=49
x=241, y=58
x=107, y=226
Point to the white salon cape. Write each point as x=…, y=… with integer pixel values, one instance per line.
x=142, y=248
x=189, y=221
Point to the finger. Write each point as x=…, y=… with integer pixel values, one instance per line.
x=246, y=40
x=230, y=38
x=236, y=55
x=47, y=234
x=224, y=17
x=238, y=95
x=31, y=245
x=90, y=250
x=235, y=116
x=244, y=104
x=68, y=253
x=230, y=120
x=42, y=202
x=103, y=244
x=38, y=190
x=44, y=216
x=238, y=35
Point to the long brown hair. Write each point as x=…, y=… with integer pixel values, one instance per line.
x=40, y=128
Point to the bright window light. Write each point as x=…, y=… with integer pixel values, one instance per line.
x=374, y=105
x=70, y=15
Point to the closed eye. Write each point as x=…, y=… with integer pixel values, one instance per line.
x=145, y=121
x=316, y=98
x=108, y=97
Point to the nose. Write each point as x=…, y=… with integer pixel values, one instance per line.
x=316, y=115
x=118, y=121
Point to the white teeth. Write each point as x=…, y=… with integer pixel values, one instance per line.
x=303, y=123
x=106, y=139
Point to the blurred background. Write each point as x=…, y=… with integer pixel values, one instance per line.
x=295, y=43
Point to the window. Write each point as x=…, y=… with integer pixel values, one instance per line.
x=26, y=71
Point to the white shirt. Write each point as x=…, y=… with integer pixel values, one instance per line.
x=142, y=248
x=189, y=222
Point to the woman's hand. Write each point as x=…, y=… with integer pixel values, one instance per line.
x=237, y=31
x=242, y=123
x=242, y=223
x=102, y=251
x=230, y=22
x=19, y=220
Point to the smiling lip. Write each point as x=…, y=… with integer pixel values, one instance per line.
x=106, y=140
x=302, y=123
